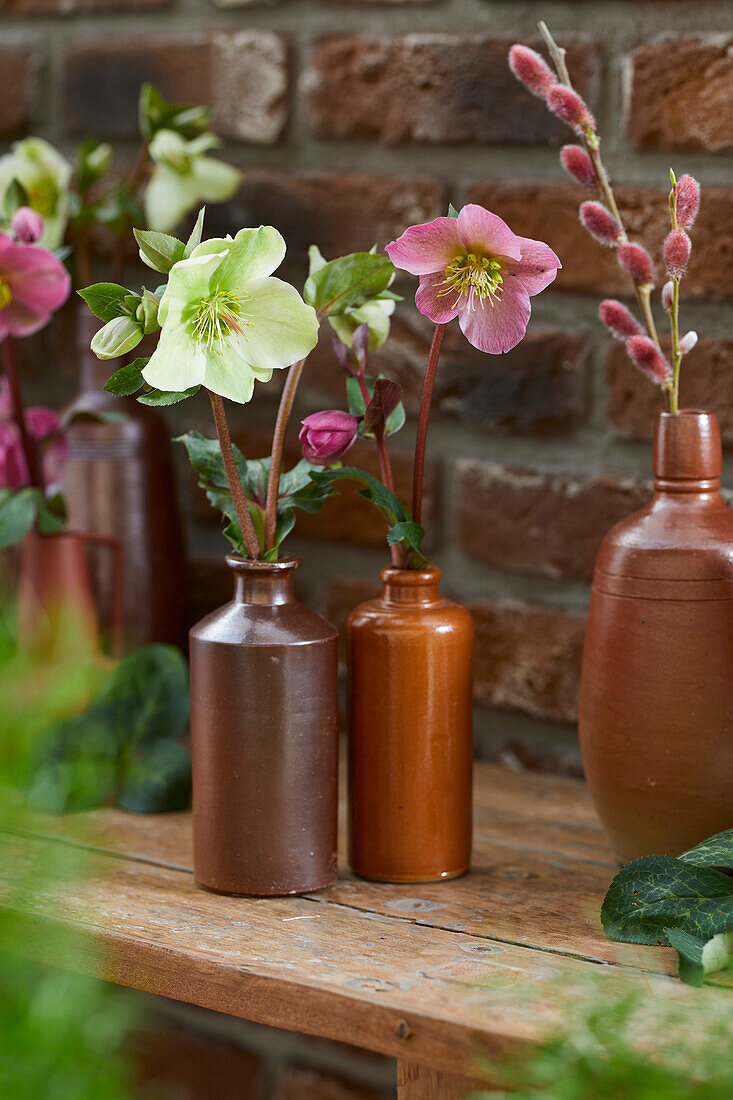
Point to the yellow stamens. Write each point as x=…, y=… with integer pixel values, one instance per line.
x=473, y=276
x=6, y=295
x=218, y=316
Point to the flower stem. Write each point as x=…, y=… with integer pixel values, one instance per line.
x=30, y=451
x=278, y=446
x=674, y=324
x=235, y=486
x=397, y=553
x=422, y=425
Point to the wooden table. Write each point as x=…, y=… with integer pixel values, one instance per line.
x=432, y=975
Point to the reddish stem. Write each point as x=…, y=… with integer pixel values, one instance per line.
x=235, y=485
x=30, y=450
x=276, y=455
x=385, y=470
x=422, y=424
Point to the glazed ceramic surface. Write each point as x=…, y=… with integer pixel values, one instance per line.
x=264, y=734
x=119, y=482
x=656, y=702
x=410, y=741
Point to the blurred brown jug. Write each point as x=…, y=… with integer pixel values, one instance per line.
x=119, y=482
x=656, y=700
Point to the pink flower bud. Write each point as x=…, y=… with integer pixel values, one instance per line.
x=648, y=358
x=618, y=320
x=638, y=263
x=688, y=342
x=688, y=200
x=531, y=69
x=578, y=164
x=327, y=436
x=571, y=108
x=676, y=253
x=600, y=223
x=668, y=296
x=27, y=225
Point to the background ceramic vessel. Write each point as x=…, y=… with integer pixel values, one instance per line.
x=410, y=742
x=656, y=700
x=119, y=482
x=264, y=739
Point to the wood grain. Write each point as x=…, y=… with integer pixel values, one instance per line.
x=416, y=1082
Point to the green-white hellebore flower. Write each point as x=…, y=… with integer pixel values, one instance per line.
x=183, y=177
x=225, y=323
x=116, y=338
x=45, y=175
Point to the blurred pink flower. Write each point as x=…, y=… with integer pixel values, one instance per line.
x=327, y=436
x=475, y=268
x=27, y=225
x=44, y=427
x=33, y=283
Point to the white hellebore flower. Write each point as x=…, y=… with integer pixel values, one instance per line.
x=183, y=177
x=45, y=175
x=225, y=323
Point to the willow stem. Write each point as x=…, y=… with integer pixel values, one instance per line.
x=397, y=553
x=278, y=446
x=674, y=324
x=30, y=451
x=422, y=424
x=235, y=485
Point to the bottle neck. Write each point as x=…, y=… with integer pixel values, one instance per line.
x=410, y=587
x=687, y=455
x=265, y=583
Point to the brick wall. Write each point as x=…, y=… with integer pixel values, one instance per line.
x=351, y=119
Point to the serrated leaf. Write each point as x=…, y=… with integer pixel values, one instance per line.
x=18, y=512
x=158, y=398
x=391, y=508
x=127, y=380
x=348, y=282
x=159, y=250
x=408, y=531
x=105, y=300
x=196, y=233
x=716, y=851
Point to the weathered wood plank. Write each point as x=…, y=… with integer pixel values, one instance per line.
x=416, y=1082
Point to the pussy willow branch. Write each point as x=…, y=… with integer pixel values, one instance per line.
x=643, y=294
x=422, y=424
x=674, y=317
x=235, y=485
x=285, y=408
x=35, y=470
x=385, y=468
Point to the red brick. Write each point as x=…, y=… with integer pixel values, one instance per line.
x=341, y=212
x=550, y=213
x=681, y=95
x=430, y=89
x=16, y=72
x=539, y=388
x=193, y=1067
x=528, y=659
x=308, y=1084
x=530, y=521
x=243, y=75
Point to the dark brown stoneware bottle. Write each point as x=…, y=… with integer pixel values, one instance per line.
x=656, y=700
x=264, y=737
x=119, y=482
x=410, y=743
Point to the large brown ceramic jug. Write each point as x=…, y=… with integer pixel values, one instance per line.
x=656, y=701
x=119, y=482
x=264, y=737
x=410, y=743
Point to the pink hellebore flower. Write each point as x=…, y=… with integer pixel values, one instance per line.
x=43, y=427
x=327, y=436
x=27, y=225
x=475, y=268
x=33, y=283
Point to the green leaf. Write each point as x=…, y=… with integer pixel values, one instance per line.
x=659, y=892
x=151, y=109
x=105, y=300
x=698, y=957
x=18, y=512
x=51, y=513
x=74, y=765
x=128, y=379
x=387, y=503
x=355, y=399
x=196, y=233
x=15, y=197
x=205, y=457
x=159, y=250
x=158, y=780
x=167, y=397
x=716, y=851
x=408, y=531
x=348, y=282
x=145, y=697
x=452, y=212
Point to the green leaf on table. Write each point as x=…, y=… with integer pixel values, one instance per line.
x=105, y=300
x=157, y=780
x=395, y=412
x=158, y=398
x=18, y=512
x=159, y=250
x=74, y=765
x=145, y=697
x=699, y=957
x=716, y=851
x=348, y=282
x=128, y=379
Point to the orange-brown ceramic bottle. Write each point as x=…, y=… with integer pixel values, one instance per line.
x=410, y=741
x=656, y=701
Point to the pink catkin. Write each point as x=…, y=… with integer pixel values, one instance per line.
x=688, y=200
x=571, y=108
x=677, y=249
x=531, y=69
x=618, y=320
x=578, y=164
x=600, y=223
x=638, y=263
x=649, y=359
